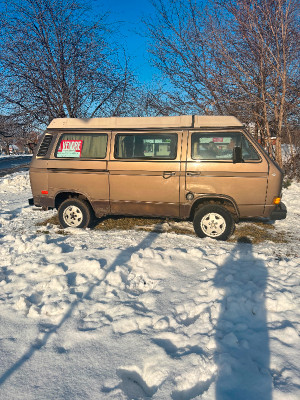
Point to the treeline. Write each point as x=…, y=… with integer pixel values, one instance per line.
x=230, y=57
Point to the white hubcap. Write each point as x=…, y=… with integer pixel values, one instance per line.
x=213, y=224
x=72, y=216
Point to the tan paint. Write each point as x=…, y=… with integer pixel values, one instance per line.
x=155, y=187
x=180, y=121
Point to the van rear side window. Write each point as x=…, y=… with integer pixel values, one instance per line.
x=82, y=145
x=162, y=146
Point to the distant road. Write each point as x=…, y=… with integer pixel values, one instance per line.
x=8, y=165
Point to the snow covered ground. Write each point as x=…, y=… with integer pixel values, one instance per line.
x=139, y=315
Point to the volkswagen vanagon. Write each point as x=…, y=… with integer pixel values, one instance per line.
x=207, y=169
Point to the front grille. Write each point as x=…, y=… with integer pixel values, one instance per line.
x=44, y=146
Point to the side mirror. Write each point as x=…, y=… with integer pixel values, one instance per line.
x=237, y=155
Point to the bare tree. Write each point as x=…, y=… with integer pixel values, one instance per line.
x=9, y=131
x=180, y=51
x=235, y=57
x=260, y=54
x=56, y=60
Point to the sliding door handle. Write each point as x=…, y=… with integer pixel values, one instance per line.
x=168, y=174
x=193, y=173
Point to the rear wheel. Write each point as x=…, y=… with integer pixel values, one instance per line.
x=213, y=221
x=75, y=213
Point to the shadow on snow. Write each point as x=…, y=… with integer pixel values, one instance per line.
x=122, y=258
x=242, y=339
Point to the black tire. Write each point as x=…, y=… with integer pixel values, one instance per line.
x=213, y=221
x=75, y=213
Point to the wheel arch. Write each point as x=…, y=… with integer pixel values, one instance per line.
x=65, y=195
x=225, y=201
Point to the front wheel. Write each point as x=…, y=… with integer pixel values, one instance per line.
x=74, y=213
x=213, y=221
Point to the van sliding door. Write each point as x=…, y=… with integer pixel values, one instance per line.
x=144, y=173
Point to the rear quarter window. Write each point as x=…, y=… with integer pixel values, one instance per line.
x=82, y=146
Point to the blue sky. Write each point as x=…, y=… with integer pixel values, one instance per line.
x=128, y=13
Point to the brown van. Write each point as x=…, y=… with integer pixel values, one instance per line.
x=204, y=168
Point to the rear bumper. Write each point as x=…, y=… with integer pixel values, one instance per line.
x=40, y=201
x=279, y=212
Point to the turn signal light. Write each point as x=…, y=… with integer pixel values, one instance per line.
x=44, y=191
x=276, y=200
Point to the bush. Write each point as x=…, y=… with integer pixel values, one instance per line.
x=291, y=167
x=286, y=183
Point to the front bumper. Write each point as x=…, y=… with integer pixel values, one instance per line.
x=279, y=212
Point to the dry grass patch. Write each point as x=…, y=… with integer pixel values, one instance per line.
x=257, y=232
x=126, y=223
x=157, y=225
x=52, y=220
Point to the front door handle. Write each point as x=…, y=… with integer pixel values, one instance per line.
x=168, y=174
x=193, y=173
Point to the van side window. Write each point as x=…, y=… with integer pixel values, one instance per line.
x=147, y=146
x=82, y=145
x=248, y=151
x=219, y=146
x=44, y=147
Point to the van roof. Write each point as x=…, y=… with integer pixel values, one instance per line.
x=179, y=121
